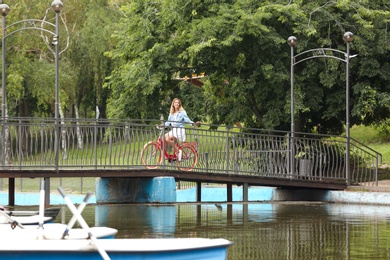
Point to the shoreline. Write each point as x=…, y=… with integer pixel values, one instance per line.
x=354, y=195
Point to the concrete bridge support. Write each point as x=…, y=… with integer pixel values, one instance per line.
x=135, y=190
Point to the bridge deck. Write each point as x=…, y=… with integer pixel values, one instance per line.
x=37, y=148
x=206, y=177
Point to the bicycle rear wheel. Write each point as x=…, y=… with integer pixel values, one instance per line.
x=151, y=155
x=189, y=158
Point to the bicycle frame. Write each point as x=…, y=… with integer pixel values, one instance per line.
x=154, y=152
x=162, y=145
x=161, y=142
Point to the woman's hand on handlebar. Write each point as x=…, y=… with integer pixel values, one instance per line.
x=198, y=123
x=162, y=126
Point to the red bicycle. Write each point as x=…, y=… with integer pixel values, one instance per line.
x=185, y=155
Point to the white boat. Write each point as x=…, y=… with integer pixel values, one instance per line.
x=169, y=248
x=25, y=220
x=48, y=212
x=53, y=231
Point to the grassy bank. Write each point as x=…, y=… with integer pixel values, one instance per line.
x=378, y=141
x=374, y=139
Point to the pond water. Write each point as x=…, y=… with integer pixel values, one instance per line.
x=284, y=230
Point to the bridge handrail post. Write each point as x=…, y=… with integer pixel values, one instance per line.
x=206, y=158
x=288, y=154
x=20, y=146
x=42, y=143
x=292, y=156
x=3, y=142
x=227, y=148
x=164, y=147
x=95, y=143
x=376, y=170
x=110, y=142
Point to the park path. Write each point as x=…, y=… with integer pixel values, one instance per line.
x=383, y=186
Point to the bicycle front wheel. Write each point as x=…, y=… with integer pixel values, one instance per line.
x=151, y=155
x=189, y=158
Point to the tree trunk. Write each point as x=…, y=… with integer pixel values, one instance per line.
x=63, y=134
x=79, y=136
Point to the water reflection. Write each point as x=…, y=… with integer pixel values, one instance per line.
x=289, y=230
x=150, y=221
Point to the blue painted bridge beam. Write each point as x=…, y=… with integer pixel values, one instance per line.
x=135, y=190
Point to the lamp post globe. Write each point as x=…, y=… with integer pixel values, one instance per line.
x=348, y=37
x=292, y=41
x=4, y=9
x=57, y=6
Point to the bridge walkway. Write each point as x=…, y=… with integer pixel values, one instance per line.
x=37, y=148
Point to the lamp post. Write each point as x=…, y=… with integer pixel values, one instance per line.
x=292, y=41
x=57, y=7
x=323, y=53
x=4, y=10
x=348, y=38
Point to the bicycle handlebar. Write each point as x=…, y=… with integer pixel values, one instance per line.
x=160, y=127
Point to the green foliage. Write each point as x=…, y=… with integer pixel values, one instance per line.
x=94, y=21
x=376, y=138
x=241, y=46
x=82, y=65
x=125, y=56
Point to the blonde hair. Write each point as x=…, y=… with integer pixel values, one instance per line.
x=172, y=110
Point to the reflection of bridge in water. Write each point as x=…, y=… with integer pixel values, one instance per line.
x=229, y=155
x=281, y=230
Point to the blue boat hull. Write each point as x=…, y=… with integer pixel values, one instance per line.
x=156, y=249
x=214, y=253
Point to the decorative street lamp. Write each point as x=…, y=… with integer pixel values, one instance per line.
x=348, y=38
x=4, y=10
x=57, y=7
x=292, y=41
x=322, y=53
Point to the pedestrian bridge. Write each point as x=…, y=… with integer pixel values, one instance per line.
x=32, y=148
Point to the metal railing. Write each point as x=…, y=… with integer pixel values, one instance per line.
x=28, y=143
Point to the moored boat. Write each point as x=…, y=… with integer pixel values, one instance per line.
x=25, y=220
x=169, y=248
x=53, y=231
x=28, y=217
x=48, y=212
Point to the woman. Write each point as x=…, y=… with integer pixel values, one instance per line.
x=177, y=117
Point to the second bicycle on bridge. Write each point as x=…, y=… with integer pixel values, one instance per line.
x=105, y=146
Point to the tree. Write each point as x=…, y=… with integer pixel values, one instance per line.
x=127, y=60
x=241, y=46
x=94, y=21
x=83, y=66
